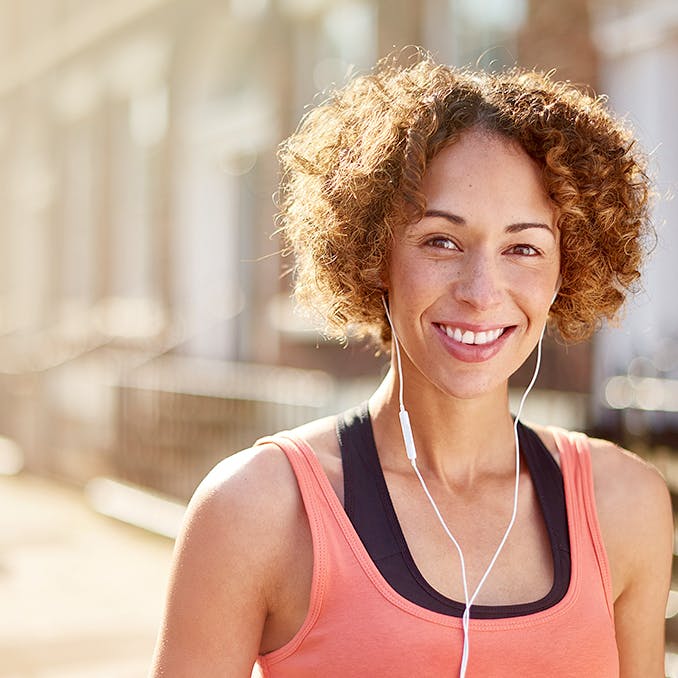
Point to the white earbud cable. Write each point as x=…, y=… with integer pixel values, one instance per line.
x=412, y=455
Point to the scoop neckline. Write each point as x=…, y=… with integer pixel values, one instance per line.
x=396, y=599
x=487, y=611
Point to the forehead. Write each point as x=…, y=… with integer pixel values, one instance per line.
x=484, y=175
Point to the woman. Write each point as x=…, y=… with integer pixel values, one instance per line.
x=449, y=215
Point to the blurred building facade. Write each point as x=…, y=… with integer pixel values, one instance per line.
x=138, y=258
x=636, y=365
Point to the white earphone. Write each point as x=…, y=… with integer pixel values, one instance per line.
x=410, y=449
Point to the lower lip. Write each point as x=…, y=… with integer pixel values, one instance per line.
x=473, y=353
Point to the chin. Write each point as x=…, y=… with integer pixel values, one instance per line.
x=465, y=388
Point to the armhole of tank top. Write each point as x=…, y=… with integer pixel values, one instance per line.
x=312, y=497
x=575, y=454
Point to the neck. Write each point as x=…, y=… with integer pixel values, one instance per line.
x=458, y=440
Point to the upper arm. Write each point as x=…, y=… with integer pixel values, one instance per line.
x=637, y=523
x=217, y=600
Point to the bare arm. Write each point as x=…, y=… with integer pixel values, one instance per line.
x=637, y=523
x=224, y=571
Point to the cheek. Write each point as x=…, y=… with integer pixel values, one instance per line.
x=417, y=287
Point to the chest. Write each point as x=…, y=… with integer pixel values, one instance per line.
x=524, y=568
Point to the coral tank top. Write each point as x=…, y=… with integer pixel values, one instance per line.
x=357, y=625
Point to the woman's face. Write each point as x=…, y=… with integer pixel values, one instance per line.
x=470, y=285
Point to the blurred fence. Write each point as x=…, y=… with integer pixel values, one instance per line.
x=161, y=424
x=178, y=417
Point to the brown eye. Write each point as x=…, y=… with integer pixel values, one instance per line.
x=524, y=250
x=442, y=243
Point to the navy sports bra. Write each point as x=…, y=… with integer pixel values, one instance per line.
x=368, y=505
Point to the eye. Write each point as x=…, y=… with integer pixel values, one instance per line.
x=442, y=242
x=524, y=250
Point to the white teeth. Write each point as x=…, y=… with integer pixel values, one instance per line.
x=468, y=337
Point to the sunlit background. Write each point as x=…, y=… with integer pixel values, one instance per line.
x=146, y=326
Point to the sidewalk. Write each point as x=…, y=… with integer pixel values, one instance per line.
x=81, y=594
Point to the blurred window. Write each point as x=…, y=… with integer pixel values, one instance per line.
x=485, y=31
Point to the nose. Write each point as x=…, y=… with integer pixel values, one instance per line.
x=478, y=282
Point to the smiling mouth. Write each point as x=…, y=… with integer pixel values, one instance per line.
x=468, y=337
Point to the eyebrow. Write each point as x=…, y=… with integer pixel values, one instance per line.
x=511, y=228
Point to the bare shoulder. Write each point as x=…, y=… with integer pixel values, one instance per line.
x=241, y=517
x=628, y=488
x=634, y=512
x=260, y=477
x=635, y=516
x=636, y=522
x=633, y=507
x=244, y=528
x=619, y=475
x=237, y=477
x=248, y=488
x=252, y=499
x=242, y=570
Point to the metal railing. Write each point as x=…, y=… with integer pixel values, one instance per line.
x=177, y=417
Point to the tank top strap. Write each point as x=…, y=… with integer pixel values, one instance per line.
x=575, y=463
x=319, y=502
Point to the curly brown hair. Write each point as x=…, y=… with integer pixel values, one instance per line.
x=352, y=177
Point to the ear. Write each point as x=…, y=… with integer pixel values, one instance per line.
x=384, y=278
